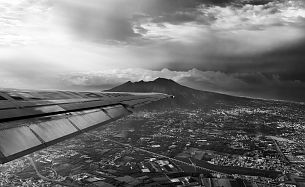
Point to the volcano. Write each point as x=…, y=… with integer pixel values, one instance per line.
x=185, y=97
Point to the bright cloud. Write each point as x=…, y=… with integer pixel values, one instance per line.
x=207, y=43
x=254, y=16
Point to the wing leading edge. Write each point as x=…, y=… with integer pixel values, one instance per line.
x=33, y=120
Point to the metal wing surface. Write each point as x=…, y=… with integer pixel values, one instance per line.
x=33, y=120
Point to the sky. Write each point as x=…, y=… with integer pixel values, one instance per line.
x=250, y=48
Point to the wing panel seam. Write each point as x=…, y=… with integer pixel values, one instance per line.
x=62, y=112
x=37, y=136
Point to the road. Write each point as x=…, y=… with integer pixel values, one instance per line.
x=205, y=166
x=284, y=158
x=192, y=164
x=159, y=155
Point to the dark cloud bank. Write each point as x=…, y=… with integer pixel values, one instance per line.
x=276, y=71
x=242, y=47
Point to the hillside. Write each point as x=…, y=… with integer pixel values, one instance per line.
x=185, y=97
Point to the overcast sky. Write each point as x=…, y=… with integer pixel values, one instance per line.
x=241, y=47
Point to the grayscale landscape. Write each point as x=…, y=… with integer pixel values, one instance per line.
x=200, y=137
x=105, y=93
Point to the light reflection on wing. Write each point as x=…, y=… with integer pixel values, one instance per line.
x=33, y=120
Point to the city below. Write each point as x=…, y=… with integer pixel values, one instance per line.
x=257, y=144
x=152, y=93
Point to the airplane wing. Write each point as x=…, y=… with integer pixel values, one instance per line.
x=33, y=120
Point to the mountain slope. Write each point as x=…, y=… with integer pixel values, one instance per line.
x=185, y=97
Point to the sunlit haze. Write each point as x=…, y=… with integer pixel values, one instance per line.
x=241, y=47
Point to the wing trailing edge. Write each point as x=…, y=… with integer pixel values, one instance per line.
x=35, y=121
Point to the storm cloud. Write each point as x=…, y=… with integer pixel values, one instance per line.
x=239, y=47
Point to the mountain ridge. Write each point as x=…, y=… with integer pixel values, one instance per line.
x=185, y=97
x=161, y=82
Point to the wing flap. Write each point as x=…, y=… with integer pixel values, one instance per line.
x=26, y=128
x=32, y=135
x=81, y=122
x=86, y=120
x=51, y=130
x=17, y=140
